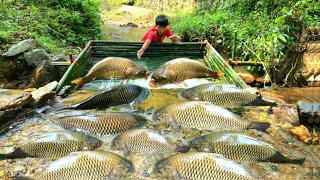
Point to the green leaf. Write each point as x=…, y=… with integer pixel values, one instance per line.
x=282, y=38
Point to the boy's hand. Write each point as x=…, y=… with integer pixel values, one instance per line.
x=140, y=53
x=175, y=38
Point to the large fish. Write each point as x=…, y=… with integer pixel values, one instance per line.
x=104, y=124
x=240, y=148
x=88, y=165
x=224, y=95
x=114, y=96
x=55, y=145
x=204, y=116
x=113, y=67
x=181, y=69
x=200, y=166
x=144, y=141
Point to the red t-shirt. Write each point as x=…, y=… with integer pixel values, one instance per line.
x=154, y=37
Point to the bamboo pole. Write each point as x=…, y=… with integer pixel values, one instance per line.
x=222, y=65
x=66, y=74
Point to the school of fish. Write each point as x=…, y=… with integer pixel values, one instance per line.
x=213, y=156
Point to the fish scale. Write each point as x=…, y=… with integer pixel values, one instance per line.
x=224, y=95
x=240, y=148
x=108, y=123
x=200, y=166
x=201, y=115
x=88, y=165
x=181, y=69
x=113, y=67
x=54, y=145
x=145, y=141
x=114, y=96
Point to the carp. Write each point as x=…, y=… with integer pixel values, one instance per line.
x=144, y=141
x=101, y=124
x=202, y=166
x=114, y=96
x=240, y=148
x=55, y=145
x=224, y=95
x=113, y=67
x=181, y=69
x=203, y=115
x=88, y=165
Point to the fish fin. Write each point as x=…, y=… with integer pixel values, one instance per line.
x=48, y=117
x=81, y=81
x=22, y=178
x=183, y=149
x=77, y=81
x=219, y=73
x=125, y=81
x=126, y=152
x=262, y=126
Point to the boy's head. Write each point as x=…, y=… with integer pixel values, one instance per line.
x=162, y=20
x=161, y=23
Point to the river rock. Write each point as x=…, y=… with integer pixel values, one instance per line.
x=20, y=47
x=35, y=57
x=286, y=114
x=43, y=94
x=58, y=58
x=302, y=133
x=19, y=101
x=247, y=77
x=9, y=115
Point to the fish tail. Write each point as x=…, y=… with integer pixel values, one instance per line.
x=279, y=158
x=6, y=156
x=262, y=126
x=183, y=149
x=295, y=161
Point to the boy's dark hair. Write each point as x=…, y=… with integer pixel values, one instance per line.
x=162, y=20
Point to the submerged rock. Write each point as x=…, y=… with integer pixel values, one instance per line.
x=20, y=47
x=43, y=94
x=286, y=114
x=302, y=133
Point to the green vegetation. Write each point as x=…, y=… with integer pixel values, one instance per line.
x=266, y=29
x=56, y=24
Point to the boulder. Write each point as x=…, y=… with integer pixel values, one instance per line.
x=35, y=57
x=20, y=47
x=42, y=75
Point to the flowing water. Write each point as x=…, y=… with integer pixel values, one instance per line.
x=33, y=126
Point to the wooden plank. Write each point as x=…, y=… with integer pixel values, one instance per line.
x=61, y=63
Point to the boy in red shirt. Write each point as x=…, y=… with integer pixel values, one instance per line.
x=157, y=34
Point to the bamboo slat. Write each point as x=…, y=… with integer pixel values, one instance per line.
x=97, y=50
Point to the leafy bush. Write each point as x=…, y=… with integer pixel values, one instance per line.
x=60, y=22
x=266, y=30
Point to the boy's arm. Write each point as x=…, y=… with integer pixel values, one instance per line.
x=143, y=48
